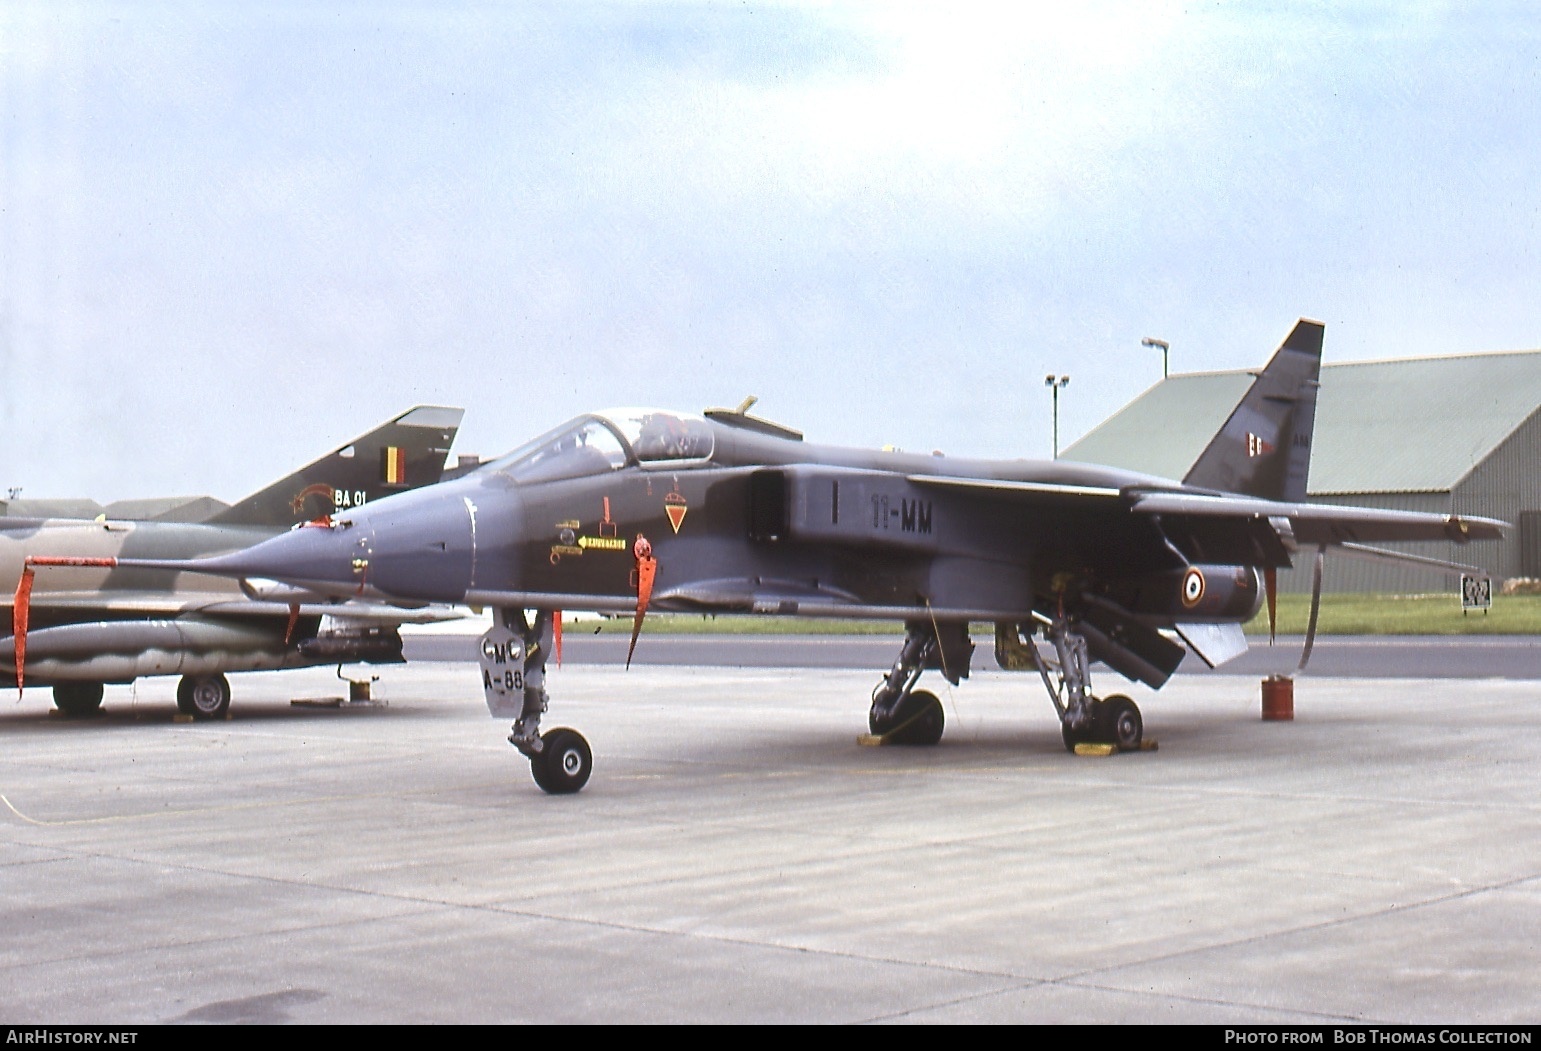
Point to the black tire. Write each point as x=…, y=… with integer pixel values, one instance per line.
x=921, y=720
x=564, y=762
x=1121, y=724
x=203, y=696
x=78, y=699
x=918, y=719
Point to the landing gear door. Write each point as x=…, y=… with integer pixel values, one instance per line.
x=1214, y=643
x=502, y=661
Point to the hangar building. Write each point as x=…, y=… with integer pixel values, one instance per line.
x=1459, y=434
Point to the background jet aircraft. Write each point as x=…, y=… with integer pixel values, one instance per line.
x=87, y=629
x=622, y=511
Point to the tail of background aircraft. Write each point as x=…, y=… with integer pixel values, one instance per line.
x=1264, y=449
x=404, y=453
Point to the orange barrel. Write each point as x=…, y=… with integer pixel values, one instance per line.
x=1278, y=698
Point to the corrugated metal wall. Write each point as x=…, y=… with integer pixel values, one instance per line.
x=1505, y=485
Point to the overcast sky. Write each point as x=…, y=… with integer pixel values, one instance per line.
x=233, y=236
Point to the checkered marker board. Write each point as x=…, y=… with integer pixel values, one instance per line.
x=1476, y=592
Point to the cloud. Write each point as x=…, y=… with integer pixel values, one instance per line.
x=259, y=231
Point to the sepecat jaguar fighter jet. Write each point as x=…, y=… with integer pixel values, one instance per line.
x=639, y=509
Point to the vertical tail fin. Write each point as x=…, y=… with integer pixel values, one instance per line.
x=1264, y=449
x=402, y=453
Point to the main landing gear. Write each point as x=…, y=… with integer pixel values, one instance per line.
x=78, y=699
x=900, y=713
x=1085, y=719
x=200, y=696
x=513, y=662
x=204, y=696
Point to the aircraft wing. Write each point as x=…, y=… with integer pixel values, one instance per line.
x=1311, y=524
x=1314, y=524
x=164, y=604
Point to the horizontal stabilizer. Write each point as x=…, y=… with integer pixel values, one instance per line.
x=1327, y=523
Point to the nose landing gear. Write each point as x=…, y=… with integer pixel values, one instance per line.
x=562, y=764
x=513, y=663
x=901, y=714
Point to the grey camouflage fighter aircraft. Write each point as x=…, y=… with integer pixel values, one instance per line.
x=80, y=631
x=639, y=509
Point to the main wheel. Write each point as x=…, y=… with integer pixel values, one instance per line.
x=564, y=762
x=78, y=698
x=1089, y=732
x=203, y=696
x=919, y=719
x=1121, y=724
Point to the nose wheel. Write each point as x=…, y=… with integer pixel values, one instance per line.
x=917, y=719
x=563, y=763
x=901, y=714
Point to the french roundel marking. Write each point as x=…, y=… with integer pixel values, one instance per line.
x=1193, y=586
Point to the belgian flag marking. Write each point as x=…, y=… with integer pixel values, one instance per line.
x=393, y=465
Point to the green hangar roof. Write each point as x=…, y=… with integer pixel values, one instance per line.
x=1415, y=425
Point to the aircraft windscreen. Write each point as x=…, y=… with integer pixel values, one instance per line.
x=582, y=447
x=656, y=436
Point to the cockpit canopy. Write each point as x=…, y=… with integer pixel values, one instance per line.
x=607, y=441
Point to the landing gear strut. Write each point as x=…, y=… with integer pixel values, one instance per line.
x=1085, y=719
x=904, y=715
x=513, y=661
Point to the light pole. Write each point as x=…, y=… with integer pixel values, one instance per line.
x=1152, y=341
x=1054, y=383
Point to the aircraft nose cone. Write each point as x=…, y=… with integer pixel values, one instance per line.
x=415, y=547
x=327, y=559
